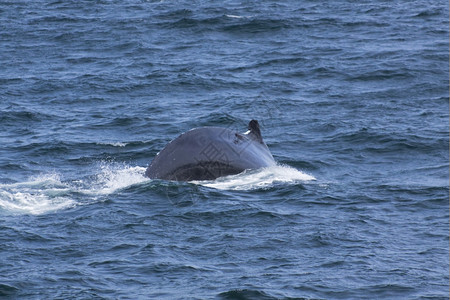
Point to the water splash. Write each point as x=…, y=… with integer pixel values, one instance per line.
x=40, y=194
x=114, y=177
x=47, y=193
x=258, y=179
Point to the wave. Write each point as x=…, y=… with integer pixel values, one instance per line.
x=251, y=294
x=113, y=144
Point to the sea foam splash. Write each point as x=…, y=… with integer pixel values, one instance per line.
x=258, y=179
x=47, y=193
x=38, y=195
x=114, y=177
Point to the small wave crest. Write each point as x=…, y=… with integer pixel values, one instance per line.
x=236, y=17
x=113, y=144
x=47, y=193
x=259, y=179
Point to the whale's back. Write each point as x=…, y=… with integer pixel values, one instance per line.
x=209, y=152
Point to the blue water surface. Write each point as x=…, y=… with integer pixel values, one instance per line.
x=353, y=102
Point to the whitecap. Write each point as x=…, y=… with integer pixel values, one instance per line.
x=114, y=144
x=234, y=16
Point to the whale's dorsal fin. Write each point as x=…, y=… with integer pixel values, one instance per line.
x=254, y=131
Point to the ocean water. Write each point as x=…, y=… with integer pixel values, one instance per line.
x=353, y=102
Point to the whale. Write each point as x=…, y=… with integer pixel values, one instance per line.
x=207, y=153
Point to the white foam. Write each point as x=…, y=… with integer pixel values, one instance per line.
x=234, y=16
x=258, y=179
x=41, y=194
x=48, y=193
x=114, y=177
x=114, y=144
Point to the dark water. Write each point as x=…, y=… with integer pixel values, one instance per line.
x=353, y=100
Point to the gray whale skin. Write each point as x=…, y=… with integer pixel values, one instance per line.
x=207, y=153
